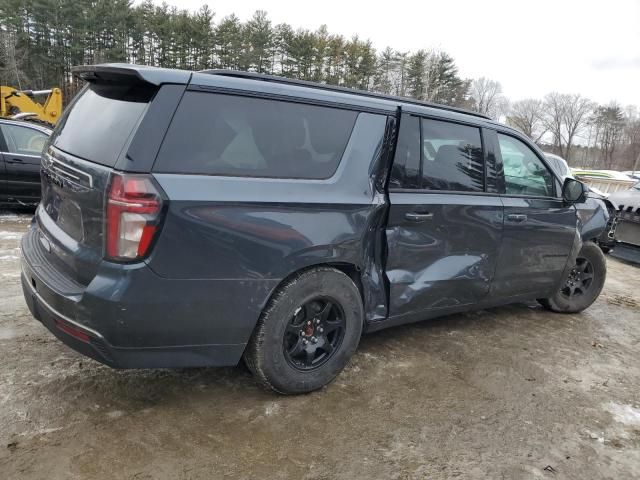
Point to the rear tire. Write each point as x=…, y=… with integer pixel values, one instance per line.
x=308, y=332
x=584, y=284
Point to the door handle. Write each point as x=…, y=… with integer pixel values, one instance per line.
x=418, y=217
x=517, y=217
x=14, y=160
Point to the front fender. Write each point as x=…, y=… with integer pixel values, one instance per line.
x=593, y=216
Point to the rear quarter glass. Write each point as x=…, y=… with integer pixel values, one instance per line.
x=100, y=122
x=217, y=134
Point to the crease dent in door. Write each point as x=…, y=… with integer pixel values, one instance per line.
x=447, y=260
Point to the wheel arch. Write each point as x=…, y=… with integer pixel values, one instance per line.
x=351, y=270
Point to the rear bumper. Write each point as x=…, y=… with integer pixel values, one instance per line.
x=92, y=344
x=55, y=321
x=129, y=317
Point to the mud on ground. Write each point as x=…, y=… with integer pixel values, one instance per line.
x=507, y=393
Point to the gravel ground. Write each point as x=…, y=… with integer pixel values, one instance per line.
x=512, y=392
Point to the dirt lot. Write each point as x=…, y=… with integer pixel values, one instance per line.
x=513, y=392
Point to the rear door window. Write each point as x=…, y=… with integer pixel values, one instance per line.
x=452, y=157
x=217, y=134
x=100, y=122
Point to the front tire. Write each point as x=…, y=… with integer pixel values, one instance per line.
x=584, y=284
x=308, y=332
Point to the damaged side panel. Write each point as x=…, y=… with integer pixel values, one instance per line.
x=447, y=260
x=250, y=230
x=593, y=217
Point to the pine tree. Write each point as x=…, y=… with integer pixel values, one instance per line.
x=229, y=42
x=416, y=71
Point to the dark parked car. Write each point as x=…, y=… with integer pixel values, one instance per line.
x=206, y=217
x=21, y=145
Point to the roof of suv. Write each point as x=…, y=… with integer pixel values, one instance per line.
x=337, y=88
x=274, y=85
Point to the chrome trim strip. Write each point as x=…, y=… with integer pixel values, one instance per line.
x=58, y=169
x=63, y=165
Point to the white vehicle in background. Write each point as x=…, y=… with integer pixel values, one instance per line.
x=608, y=181
x=561, y=166
x=596, y=200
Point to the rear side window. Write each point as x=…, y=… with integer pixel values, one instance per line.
x=23, y=140
x=452, y=157
x=216, y=134
x=101, y=120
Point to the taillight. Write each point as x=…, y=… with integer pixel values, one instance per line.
x=134, y=206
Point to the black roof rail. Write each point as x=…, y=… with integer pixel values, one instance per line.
x=336, y=88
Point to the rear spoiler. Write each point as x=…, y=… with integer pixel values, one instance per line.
x=127, y=73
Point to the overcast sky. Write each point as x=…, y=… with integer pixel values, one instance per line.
x=589, y=47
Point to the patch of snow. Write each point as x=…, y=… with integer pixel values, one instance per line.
x=10, y=236
x=39, y=431
x=626, y=414
x=272, y=409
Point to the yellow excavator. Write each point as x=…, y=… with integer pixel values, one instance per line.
x=22, y=105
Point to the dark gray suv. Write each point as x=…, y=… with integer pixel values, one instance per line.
x=194, y=219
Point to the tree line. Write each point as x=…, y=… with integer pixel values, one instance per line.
x=40, y=40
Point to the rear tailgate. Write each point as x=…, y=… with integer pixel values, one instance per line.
x=91, y=141
x=71, y=213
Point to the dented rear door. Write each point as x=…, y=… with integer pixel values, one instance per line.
x=443, y=244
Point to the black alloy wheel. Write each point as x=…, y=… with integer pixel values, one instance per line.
x=580, y=278
x=313, y=334
x=583, y=284
x=307, y=332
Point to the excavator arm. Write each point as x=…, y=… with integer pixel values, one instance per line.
x=21, y=104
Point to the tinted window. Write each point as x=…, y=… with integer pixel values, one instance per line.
x=23, y=140
x=100, y=121
x=452, y=157
x=494, y=173
x=524, y=172
x=406, y=164
x=231, y=135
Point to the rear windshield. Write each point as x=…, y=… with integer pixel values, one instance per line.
x=98, y=124
x=216, y=134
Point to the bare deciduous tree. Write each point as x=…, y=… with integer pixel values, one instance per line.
x=609, y=123
x=566, y=115
x=486, y=97
x=528, y=117
x=632, y=138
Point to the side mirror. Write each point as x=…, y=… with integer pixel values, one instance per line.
x=574, y=191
